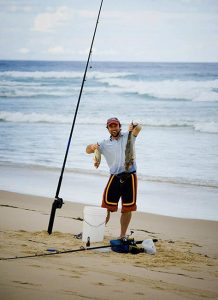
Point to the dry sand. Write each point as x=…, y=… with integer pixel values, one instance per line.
x=184, y=267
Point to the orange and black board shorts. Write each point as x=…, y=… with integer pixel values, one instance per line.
x=116, y=188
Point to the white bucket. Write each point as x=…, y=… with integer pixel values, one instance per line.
x=93, y=223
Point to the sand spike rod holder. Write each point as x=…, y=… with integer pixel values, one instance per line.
x=58, y=202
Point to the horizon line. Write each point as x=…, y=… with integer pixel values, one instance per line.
x=106, y=61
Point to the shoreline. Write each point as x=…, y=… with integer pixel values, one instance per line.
x=185, y=265
x=183, y=201
x=103, y=173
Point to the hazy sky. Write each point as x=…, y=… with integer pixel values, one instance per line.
x=139, y=30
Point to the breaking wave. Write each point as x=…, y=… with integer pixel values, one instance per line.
x=64, y=83
x=169, y=89
x=60, y=74
x=18, y=117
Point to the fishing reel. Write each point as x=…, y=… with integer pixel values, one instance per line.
x=58, y=202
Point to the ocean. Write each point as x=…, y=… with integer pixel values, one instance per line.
x=176, y=103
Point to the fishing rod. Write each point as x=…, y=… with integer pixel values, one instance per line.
x=55, y=252
x=58, y=202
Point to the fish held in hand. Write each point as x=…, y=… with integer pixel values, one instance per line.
x=129, y=153
x=97, y=158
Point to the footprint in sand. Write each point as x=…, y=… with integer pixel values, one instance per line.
x=126, y=279
x=100, y=284
x=26, y=283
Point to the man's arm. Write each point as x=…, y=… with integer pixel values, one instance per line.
x=97, y=155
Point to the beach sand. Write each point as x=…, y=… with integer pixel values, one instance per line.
x=184, y=267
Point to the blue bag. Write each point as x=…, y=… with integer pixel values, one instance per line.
x=120, y=246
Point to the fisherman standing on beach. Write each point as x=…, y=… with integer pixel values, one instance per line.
x=118, y=151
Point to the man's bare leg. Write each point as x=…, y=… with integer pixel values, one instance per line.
x=107, y=217
x=124, y=222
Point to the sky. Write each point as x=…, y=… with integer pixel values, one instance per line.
x=139, y=30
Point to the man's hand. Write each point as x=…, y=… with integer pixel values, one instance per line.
x=135, y=128
x=91, y=148
x=94, y=147
x=132, y=126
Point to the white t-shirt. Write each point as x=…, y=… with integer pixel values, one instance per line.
x=114, y=153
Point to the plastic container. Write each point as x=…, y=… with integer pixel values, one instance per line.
x=93, y=223
x=149, y=246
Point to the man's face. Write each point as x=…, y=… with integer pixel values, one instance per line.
x=114, y=129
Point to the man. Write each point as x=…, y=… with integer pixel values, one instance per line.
x=123, y=180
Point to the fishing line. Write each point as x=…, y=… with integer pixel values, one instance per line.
x=58, y=202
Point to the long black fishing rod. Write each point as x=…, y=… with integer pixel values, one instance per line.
x=55, y=252
x=65, y=251
x=58, y=202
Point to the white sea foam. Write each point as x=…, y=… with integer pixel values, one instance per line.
x=27, y=92
x=19, y=91
x=61, y=74
x=168, y=89
x=99, y=75
x=40, y=74
x=18, y=117
x=114, y=82
x=211, y=127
